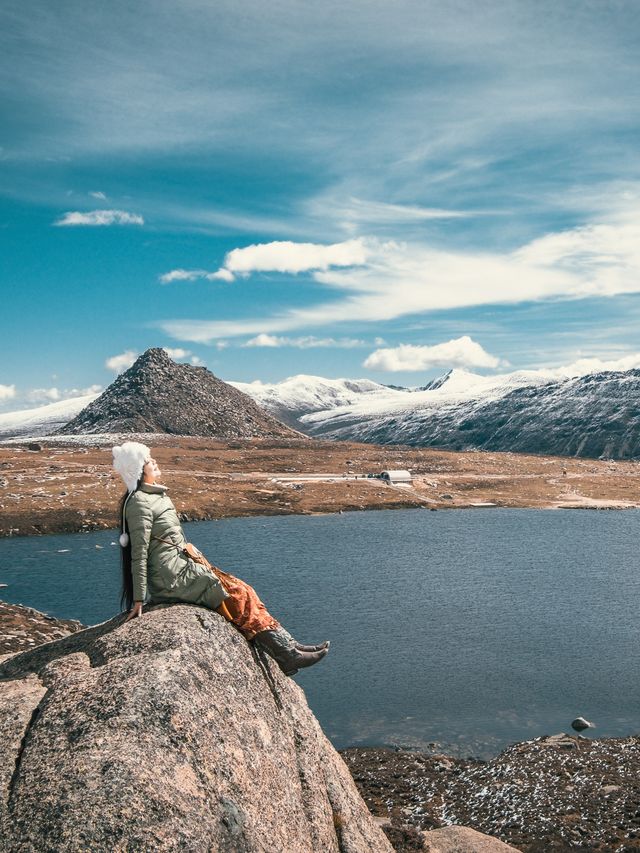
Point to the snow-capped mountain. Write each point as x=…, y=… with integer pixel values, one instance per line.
x=317, y=405
x=299, y=395
x=42, y=420
x=594, y=415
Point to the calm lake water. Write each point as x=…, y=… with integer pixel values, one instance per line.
x=469, y=629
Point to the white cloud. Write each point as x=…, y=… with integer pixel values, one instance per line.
x=182, y=275
x=582, y=366
x=192, y=275
x=280, y=256
x=100, y=217
x=121, y=362
x=176, y=352
x=98, y=195
x=264, y=341
x=458, y=352
x=37, y=394
x=41, y=395
x=222, y=274
x=83, y=392
x=7, y=392
x=179, y=354
x=288, y=257
x=304, y=342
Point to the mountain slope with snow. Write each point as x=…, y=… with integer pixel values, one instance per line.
x=316, y=405
x=299, y=395
x=43, y=420
x=597, y=414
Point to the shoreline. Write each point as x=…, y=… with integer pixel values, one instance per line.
x=552, y=793
x=62, y=487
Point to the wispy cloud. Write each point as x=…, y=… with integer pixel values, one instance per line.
x=99, y=195
x=304, y=342
x=458, y=352
x=99, y=217
x=394, y=280
x=351, y=212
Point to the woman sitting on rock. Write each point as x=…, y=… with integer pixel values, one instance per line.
x=157, y=559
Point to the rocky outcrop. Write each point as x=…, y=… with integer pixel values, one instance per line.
x=168, y=733
x=156, y=395
x=462, y=839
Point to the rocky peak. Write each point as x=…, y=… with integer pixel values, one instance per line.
x=168, y=733
x=157, y=395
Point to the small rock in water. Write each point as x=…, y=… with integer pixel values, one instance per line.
x=580, y=724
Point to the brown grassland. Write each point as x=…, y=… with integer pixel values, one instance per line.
x=64, y=487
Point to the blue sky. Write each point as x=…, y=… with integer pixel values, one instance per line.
x=350, y=189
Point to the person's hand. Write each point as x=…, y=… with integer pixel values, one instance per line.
x=136, y=610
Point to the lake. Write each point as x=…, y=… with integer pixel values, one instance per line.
x=467, y=629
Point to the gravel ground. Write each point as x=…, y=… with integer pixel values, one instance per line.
x=557, y=793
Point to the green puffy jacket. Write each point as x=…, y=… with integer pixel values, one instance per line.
x=160, y=568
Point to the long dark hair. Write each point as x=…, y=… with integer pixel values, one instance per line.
x=126, y=595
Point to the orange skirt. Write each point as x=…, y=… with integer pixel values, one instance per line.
x=243, y=607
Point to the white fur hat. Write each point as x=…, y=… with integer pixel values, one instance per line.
x=129, y=460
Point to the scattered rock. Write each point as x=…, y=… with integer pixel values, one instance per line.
x=537, y=795
x=22, y=627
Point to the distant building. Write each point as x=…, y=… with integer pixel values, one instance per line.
x=394, y=477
